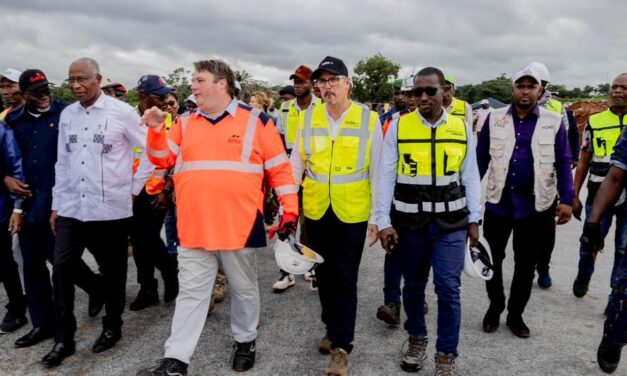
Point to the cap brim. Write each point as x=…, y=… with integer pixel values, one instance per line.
x=537, y=80
x=316, y=74
x=37, y=86
x=304, y=78
x=161, y=92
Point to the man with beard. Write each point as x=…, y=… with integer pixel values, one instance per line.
x=36, y=127
x=92, y=202
x=10, y=91
x=524, y=149
x=455, y=106
x=287, y=124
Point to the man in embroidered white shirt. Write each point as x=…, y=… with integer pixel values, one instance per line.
x=91, y=203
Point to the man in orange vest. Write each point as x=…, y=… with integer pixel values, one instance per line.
x=149, y=251
x=220, y=154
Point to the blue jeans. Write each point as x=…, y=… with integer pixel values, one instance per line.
x=171, y=232
x=392, y=274
x=444, y=251
x=586, y=261
x=615, y=328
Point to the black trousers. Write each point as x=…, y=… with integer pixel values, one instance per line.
x=37, y=247
x=546, y=248
x=530, y=236
x=107, y=241
x=149, y=250
x=341, y=245
x=9, y=274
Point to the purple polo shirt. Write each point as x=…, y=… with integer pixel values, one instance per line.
x=518, y=198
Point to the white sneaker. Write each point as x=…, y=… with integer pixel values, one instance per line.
x=308, y=276
x=285, y=281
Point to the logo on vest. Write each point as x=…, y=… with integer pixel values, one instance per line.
x=234, y=139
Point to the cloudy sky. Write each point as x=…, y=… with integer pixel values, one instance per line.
x=582, y=42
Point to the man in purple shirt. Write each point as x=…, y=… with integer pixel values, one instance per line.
x=524, y=150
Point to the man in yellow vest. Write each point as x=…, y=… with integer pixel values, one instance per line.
x=546, y=101
x=602, y=133
x=337, y=147
x=428, y=205
x=455, y=106
x=10, y=91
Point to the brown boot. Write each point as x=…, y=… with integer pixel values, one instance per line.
x=325, y=345
x=219, y=288
x=212, y=305
x=444, y=364
x=338, y=363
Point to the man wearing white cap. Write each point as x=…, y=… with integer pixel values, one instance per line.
x=481, y=114
x=10, y=90
x=524, y=150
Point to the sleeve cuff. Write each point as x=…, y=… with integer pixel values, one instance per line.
x=474, y=217
x=619, y=164
x=136, y=187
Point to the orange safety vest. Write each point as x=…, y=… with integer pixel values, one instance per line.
x=156, y=181
x=218, y=175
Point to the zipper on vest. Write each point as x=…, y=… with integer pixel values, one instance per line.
x=433, y=177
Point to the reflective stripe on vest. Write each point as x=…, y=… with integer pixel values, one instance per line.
x=243, y=166
x=290, y=119
x=429, y=162
x=606, y=129
x=554, y=106
x=337, y=171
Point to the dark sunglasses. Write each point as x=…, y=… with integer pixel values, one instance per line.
x=170, y=103
x=45, y=92
x=430, y=91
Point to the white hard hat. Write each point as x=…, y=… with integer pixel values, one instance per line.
x=478, y=261
x=191, y=98
x=541, y=69
x=295, y=258
x=11, y=74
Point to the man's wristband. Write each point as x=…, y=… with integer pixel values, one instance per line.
x=18, y=211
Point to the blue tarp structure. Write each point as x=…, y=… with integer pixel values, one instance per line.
x=493, y=103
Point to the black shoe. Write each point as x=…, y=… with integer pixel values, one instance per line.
x=59, y=352
x=145, y=298
x=492, y=318
x=35, y=336
x=390, y=313
x=518, y=327
x=166, y=367
x=580, y=286
x=170, y=289
x=12, y=322
x=243, y=356
x=608, y=357
x=108, y=338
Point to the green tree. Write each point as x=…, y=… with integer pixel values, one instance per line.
x=499, y=88
x=243, y=77
x=179, y=80
x=603, y=89
x=63, y=92
x=373, y=79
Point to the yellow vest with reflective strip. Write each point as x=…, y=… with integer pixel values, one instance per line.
x=419, y=145
x=290, y=118
x=554, y=105
x=337, y=172
x=459, y=109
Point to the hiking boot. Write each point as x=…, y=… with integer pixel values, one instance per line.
x=444, y=364
x=608, y=357
x=219, y=288
x=414, y=354
x=212, y=305
x=390, y=313
x=145, y=298
x=12, y=322
x=243, y=356
x=544, y=280
x=284, y=282
x=338, y=363
x=166, y=367
x=325, y=345
x=580, y=286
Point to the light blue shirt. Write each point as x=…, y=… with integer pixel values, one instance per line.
x=231, y=109
x=389, y=165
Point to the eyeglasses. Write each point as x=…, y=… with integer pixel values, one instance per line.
x=45, y=92
x=333, y=81
x=170, y=103
x=80, y=80
x=430, y=91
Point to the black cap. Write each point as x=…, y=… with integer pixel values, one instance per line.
x=32, y=79
x=332, y=65
x=289, y=89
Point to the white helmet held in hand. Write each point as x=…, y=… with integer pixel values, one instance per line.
x=478, y=261
x=295, y=258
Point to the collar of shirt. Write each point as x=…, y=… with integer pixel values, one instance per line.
x=311, y=104
x=231, y=109
x=99, y=103
x=512, y=110
x=440, y=121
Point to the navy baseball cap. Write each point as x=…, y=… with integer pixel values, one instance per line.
x=152, y=84
x=332, y=65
